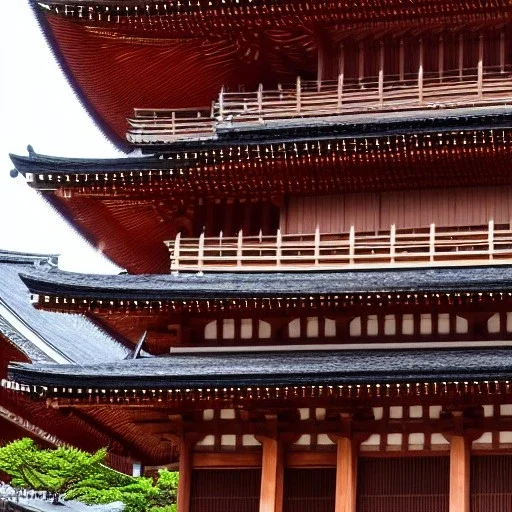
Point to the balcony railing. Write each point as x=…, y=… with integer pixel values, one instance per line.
x=431, y=246
x=489, y=86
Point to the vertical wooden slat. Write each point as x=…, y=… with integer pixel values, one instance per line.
x=418, y=484
x=309, y=490
x=233, y=490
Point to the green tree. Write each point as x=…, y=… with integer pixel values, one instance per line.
x=84, y=477
x=55, y=471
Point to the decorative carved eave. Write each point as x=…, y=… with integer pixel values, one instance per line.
x=67, y=291
x=214, y=18
x=334, y=165
x=474, y=391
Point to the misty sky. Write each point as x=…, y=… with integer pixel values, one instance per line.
x=38, y=107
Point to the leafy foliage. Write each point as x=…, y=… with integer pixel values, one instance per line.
x=84, y=477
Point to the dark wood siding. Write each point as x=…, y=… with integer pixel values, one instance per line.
x=222, y=490
x=491, y=483
x=310, y=490
x=419, y=484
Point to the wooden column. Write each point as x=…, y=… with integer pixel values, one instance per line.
x=440, y=58
x=459, y=474
x=185, y=471
x=320, y=64
x=420, y=73
x=480, y=65
x=346, y=475
x=461, y=56
x=381, y=73
x=272, y=475
x=502, y=51
x=401, y=61
x=361, y=63
x=341, y=75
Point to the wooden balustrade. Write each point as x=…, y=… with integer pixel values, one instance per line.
x=431, y=246
x=448, y=88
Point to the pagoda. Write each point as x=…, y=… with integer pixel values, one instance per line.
x=316, y=225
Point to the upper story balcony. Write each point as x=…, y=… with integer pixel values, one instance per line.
x=342, y=98
x=423, y=247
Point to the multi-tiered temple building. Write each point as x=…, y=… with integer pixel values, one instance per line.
x=317, y=314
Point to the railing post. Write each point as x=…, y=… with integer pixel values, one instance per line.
x=341, y=77
x=297, y=95
x=279, y=241
x=401, y=61
x=361, y=63
x=490, y=239
x=480, y=86
x=320, y=66
x=381, y=74
x=239, y=249
x=351, y=244
x=260, y=101
x=420, y=74
x=440, y=58
x=392, y=243
x=221, y=104
x=461, y=56
x=317, y=245
x=173, y=122
x=502, y=51
x=176, y=256
x=432, y=242
x=200, y=254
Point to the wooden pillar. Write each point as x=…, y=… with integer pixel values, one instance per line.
x=502, y=51
x=320, y=64
x=272, y=476
x=459, y=474
x=420, y=73
x=401, y=61
x=440, y=58
x=381, y=74
x=346, y=475
x=461, y=56
x=341, y=75
x=185, y=472
x=480, y=65
x=361, y=63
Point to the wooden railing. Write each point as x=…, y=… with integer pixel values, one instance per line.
x=354, y=96
x=167, y=125
x=432, y=246
x=314, y=99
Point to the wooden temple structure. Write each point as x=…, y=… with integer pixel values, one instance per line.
x=317, y=309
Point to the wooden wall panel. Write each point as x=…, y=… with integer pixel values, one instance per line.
x=406, y=209
x=222, y=490
x=310, y=490
x=491, y=483
x=419, y=484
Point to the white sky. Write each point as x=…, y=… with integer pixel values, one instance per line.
x=38, y=107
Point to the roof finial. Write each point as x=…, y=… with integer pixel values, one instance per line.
x=31, y=152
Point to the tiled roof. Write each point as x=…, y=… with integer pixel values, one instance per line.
x=45, y=336
x=269, y=284
x=277, y=369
